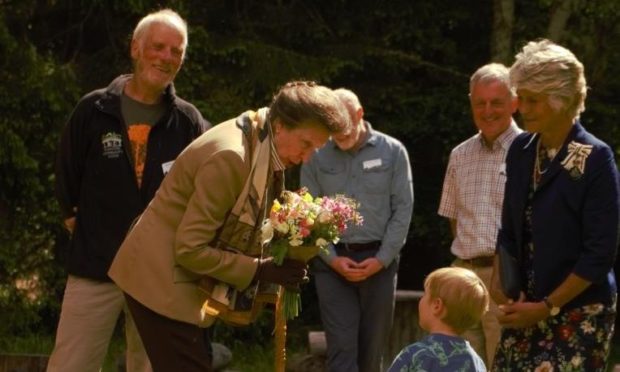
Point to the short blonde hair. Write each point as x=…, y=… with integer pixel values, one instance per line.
x=167, y=17
x=462, y=292
x=548, y=68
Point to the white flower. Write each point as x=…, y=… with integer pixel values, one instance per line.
x=587, y=327
x=545, y=366
x=295, y=242
x=325, y=217
x=577, y=360
x=320, y=242
x=593, y=309
x=266, y=231
x=282, y=227
x=509, y=342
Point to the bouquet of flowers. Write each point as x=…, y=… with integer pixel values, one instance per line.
x=300, y=226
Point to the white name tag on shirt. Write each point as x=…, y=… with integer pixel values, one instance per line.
x=369, y=164
x=165, y=167
x=502, y=169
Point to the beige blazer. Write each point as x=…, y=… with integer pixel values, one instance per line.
x=166, y=252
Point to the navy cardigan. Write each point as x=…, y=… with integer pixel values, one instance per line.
x=575, y=221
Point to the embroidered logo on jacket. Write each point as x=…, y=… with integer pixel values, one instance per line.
x=112, y=145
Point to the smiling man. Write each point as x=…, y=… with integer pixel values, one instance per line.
x=117, y=146
x=473, y=189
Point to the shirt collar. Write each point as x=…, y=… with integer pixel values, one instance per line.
x=505, y=138
x=262, y=115
x=371, y=138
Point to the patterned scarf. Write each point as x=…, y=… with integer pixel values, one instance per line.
x=241, y=231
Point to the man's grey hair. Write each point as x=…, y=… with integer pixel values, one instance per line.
x=350, y=99
x=167, y=17
x=489, y=73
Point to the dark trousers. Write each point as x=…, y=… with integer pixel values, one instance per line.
x=170, y=344
x=357, y=317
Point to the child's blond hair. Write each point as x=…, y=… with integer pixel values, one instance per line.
x=462, y=292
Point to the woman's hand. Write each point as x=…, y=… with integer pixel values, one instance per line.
x=522, y=314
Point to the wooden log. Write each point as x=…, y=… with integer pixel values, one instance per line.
x=317, y=345
x=23, y=362
x=405, y=328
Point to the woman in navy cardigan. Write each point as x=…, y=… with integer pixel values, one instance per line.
x=560, y=218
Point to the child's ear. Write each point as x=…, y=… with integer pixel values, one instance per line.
x=438, y=307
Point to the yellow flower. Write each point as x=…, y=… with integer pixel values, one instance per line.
x=276, y=206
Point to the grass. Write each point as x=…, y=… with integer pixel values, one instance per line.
x=34, y=344
x=614, y=354
x=43, y=344
x=254, y=357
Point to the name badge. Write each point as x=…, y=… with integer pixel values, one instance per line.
x=369, y=164
x=165, y=167
x=502, y=169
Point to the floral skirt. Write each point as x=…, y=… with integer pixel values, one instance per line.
x=574, y=340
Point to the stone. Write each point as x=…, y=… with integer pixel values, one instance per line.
x=222, y=356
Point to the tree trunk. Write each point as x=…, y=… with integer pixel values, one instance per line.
x=501, y=36
x=560, y=11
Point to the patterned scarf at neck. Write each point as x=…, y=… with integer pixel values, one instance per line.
x=241, y=230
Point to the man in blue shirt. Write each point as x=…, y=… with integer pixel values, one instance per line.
x=356, y=278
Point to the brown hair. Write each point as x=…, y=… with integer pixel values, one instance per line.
x=301, y=102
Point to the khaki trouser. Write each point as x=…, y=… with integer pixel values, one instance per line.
x=484, y=336
x=90, y=310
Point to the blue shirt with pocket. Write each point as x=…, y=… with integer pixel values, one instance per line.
x=378, y=175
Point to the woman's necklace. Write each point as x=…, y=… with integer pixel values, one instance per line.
x=541, y=156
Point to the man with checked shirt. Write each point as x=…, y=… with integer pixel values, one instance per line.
x=473, y=189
